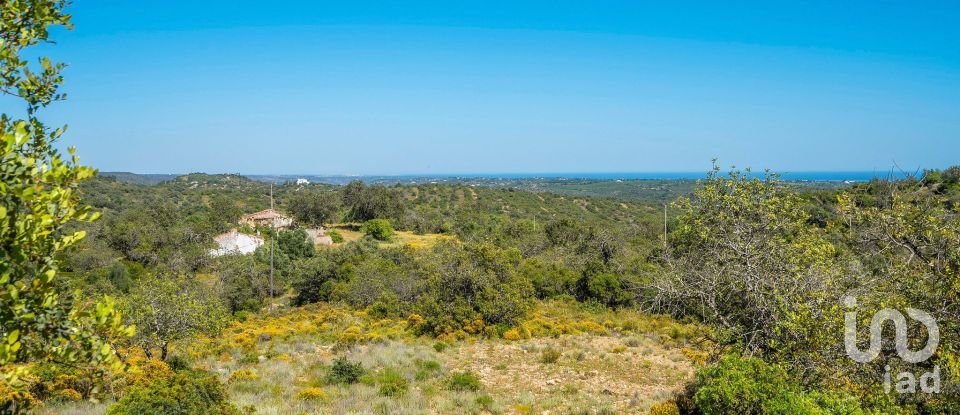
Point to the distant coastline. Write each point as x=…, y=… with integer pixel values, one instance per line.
x=807, y=176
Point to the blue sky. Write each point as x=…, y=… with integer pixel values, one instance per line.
x=363, y=87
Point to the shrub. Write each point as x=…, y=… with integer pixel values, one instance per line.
x=606, y=288
x=345, y=372
x=463, y=381
x=440, y=347
x=243, y=375
x=249, y=359
x=335, y=236
x=379, y=229
x=665, y=408
x=391, y=382
x=295, y=244
x=426, y=369
x=743, y=385
x=485, y=402
x=312, y=394
x=187, y=392
x=478, y=288
x=550, y=355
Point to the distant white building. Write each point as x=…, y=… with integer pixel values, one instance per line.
x=302, y=181
x=234, y=242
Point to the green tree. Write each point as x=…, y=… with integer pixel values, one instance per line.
x=471, y=282
x=744, y=259
x=167, y=309
x=314, y=208
x=244, y=282
x=371, y=202
x=379, y=229
x=226, y=211
x=295, y=244
x=38, y=199
x=909, y=246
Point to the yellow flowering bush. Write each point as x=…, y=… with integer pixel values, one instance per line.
x=312, y=394
x=243, y=375
x=665, y=408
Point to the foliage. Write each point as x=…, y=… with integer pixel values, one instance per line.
x=312, y=394
x=371, y=202
x=761, y=264
x=743, y=385
x=344, y=371
x=39, y=319
x=607, y=288
x=463, y=381
x=244, y=283
x=665, y=408
x=243, y=375
x=187, y=392
x=907, y=235
x=314, y=279
x=314, y=208
x=157, y=235
x=335, y=237
x=168, y=308
x=390, y=382
x=550, y=355
x=743, y=258
x=473, y=286
x=295, y=244
x=379, y=229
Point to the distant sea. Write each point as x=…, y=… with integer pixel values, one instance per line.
x=808, y=176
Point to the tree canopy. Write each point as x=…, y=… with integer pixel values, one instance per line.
x=41, y=321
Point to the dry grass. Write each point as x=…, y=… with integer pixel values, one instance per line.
x=610, y=361
x=587, y=374
x=425, y=241
x=351, y=232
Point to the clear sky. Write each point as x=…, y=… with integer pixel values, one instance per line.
x=366, y=87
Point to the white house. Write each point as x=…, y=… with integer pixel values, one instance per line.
x=234, y=242
x=302, y=181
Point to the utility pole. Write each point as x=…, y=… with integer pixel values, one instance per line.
x=272, y=237
x=664, y=229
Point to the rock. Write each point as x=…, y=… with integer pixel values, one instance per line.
x=551, y=382
x=265, y=337
x=261, y=358
x=607, y=392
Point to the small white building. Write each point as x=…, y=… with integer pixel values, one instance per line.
x=302, y=181
x=234, y=242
